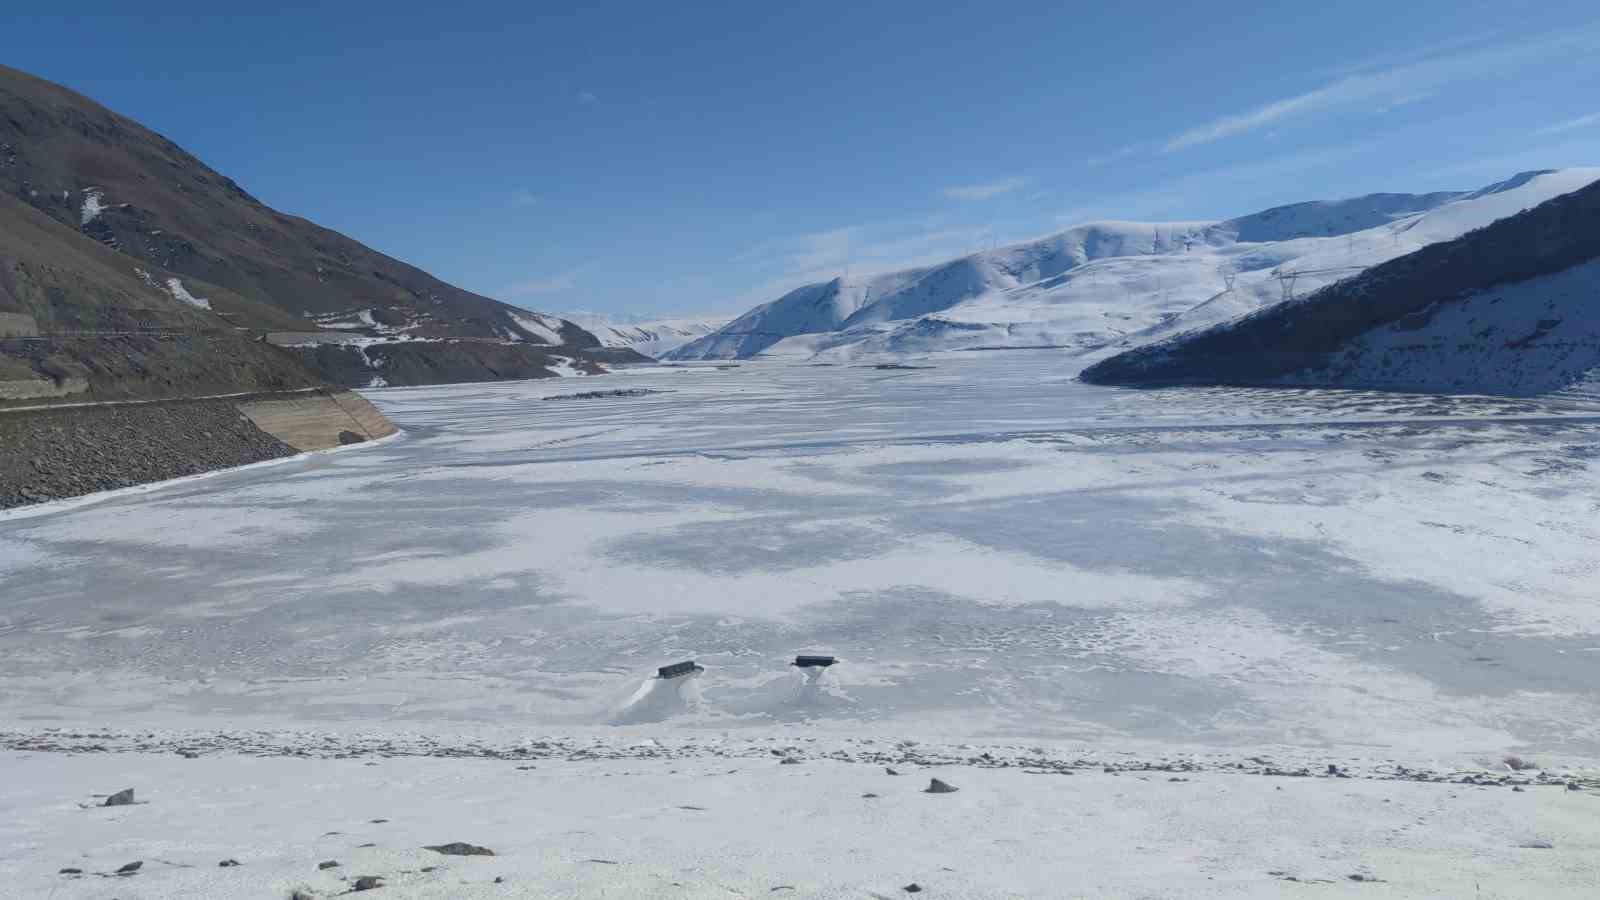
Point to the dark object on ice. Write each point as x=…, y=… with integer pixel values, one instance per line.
x=300, y=895
x=1517, y=789
x=70, y=871
x=912, y=888
x=379, y=821
x=350, y=437
x=227, y=864
x=499, y=879
x=457, y=848
x=131, y=868
x=806, y=662
x=869, y=796
x=600, y=395
x=679, y=669
x=328, y=864
x=367, y=883
x=1574, y=786
x=935, y=786
x=788, y=761
x=1537, y=845
x=890, y=770
x=123, y=797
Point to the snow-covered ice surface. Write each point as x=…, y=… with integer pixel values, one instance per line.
x=993, y=549
x=999, y=555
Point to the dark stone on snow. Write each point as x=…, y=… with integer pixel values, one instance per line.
x=228, y=863
x=70, y=871
x=935, y=786
x=457, y=848
x=123, y=797
x=130, y=868
x=367, y=883
x=912, y=888
x=890, y=770
x=328, y=864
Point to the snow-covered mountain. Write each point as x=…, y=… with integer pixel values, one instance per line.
x=1108, y=284
x=1512, y=308
x=652, y=337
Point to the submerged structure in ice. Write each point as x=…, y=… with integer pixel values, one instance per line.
x=678, y=670
x=804, y=661
x=674, y=690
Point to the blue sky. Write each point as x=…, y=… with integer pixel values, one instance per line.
x=649, y=159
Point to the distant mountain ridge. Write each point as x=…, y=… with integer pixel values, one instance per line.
x=201, y=251
x=1512, y=308
x=1102, y=285
x=643, y=334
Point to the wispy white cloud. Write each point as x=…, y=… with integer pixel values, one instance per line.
x=987, y=190
x=538, y=287
x=1387, y=87
x=524, y=197
x=1176, y=198
x=1569, y=125
x=1119, y=154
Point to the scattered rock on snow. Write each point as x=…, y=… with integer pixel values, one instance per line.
x=300, y=895
x=890, y=770
x=935, y=786
x=458, y=848
x=328, y=864
x=1537, y=845
x=227, y=863
x=130, y=868
x=912, y=888
x=788, y=761
x=367, y=883
x=123, y=797
x=70, y=871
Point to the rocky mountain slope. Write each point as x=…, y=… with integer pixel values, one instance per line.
x=194, y=251
x=1513, y=307
x=1105, y=284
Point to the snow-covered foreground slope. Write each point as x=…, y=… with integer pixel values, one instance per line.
x=680, y=820
x=652, y=337
x=1117, y=283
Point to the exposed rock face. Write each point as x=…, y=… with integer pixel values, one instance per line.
x=458, y=848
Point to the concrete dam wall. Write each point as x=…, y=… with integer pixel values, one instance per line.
x=52, y=452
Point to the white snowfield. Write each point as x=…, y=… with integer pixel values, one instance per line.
x=652, y=337
x=1112, y=285
x=1004, y=560
x=665, y=821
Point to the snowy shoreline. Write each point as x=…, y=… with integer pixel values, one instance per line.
x=570, y=817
